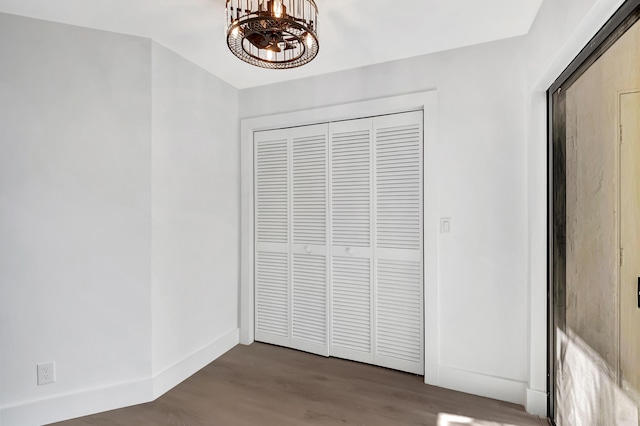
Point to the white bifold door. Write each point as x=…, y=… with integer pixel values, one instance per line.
x=338, y=239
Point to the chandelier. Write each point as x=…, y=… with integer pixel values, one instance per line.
x=275, y=34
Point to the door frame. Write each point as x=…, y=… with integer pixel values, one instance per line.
x=625, y=16
x=619, y=193
x=425, y=101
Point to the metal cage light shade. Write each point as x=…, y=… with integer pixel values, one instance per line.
x=275, y=34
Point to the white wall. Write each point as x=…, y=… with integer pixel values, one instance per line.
x=195, y=215
x=482, y=263
x=119, y=199
x=75, y=203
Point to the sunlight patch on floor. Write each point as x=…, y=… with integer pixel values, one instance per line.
x=454, y=420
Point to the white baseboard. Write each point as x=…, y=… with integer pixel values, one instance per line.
x=480, y=384
x=536, y=403
x=174, y=375
x=64, y=407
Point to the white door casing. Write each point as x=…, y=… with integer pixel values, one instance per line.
x=425, y=101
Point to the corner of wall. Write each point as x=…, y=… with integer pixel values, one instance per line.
x=177, y=373
x=193, y=185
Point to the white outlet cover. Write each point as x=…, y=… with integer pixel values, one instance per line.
x=445, y=225
x=46, y=373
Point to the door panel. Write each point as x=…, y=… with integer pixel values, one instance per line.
x=272, y=261
x=309, y=178
x=398, y=242
x=351, y=253
x=272, y=296
x=309, y=303
x=272, y=188
x=399, y=315
x=309, y=283
x=351, y=309
x=398, y=171
x=351, y=183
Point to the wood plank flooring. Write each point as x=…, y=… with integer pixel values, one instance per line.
x=272, y=386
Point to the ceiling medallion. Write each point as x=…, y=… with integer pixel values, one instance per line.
x=275, y=34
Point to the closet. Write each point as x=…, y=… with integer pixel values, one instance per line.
x=339, y=241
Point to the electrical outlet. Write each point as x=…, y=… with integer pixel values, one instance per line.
x=46, y=373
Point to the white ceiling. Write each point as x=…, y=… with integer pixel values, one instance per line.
x=352, y=33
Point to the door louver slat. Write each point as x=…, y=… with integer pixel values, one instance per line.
x=351, y=188
x=272, y=175
x=398, y=165
x=398, y=320
x=272, y=293
x=309, y=298
x=309, y=281
x=309, y=189
x=351, y=304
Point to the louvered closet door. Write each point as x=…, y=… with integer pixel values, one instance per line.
x=272, y=224
x=338, y=256
x=309, y=283
x=398, y=242
x=351, y=240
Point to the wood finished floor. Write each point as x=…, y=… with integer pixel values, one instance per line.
x=268, y=385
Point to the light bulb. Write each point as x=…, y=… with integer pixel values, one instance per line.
x=277, y=8
x=309, y=41
x=235, y=31
x=269, y=55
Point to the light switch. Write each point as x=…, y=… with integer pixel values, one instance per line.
x=445, y=225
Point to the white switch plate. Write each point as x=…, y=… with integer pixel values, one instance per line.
x=445, y=225
x=46, y=373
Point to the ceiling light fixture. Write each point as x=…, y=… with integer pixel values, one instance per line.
x=275, y=34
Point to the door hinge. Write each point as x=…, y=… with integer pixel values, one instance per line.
x=621, y=134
